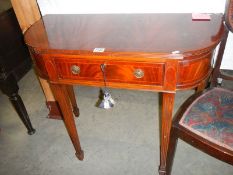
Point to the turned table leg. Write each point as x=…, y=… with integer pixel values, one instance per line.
x=10, y=88
x=71, y=93
x=17, y=102
x=60, y=93
x=166, y=121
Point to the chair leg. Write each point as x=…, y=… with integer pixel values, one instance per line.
x=171, y=150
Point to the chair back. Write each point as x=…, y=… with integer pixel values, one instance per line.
x=217, y=73
x=229, y=14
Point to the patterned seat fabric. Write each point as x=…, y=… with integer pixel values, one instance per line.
x=211, y=116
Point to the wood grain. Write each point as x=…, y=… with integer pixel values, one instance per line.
x=27, y=13
x=128, y=33
x=168, y=100
x=61, y=94
x=172, y=57
x=121, y=72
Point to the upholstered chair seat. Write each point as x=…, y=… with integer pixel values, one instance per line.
x=211, y=117
x=205, y=120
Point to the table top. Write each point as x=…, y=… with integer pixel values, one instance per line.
x=141, y=33
x=141, y=51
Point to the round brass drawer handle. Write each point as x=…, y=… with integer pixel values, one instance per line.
x=138, y=73
x=75, y=69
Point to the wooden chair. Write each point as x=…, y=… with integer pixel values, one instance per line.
x=205, y=120
x=217, y=73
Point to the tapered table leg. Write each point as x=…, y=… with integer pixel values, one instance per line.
x=71, y=93
x=166, y=121
x=60, y=93
x=171, y=150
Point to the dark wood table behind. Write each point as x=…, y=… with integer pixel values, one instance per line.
x=15, y=62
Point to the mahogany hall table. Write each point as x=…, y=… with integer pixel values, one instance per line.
x=155, y=52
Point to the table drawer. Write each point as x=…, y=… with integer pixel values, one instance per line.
x=116, y=72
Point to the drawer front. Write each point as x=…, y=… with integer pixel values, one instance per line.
x=88, y=70
x=116, y=72
x=192, y=71
x=135, y=73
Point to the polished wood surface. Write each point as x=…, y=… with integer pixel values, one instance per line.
x=179, y=42
x=27, y=13
x=168, y=100
x=61, y=94
x=156, y=52
x=147, y=33
x=228, y=16
x=15, y=62
x=73, y=102
x=193, y=138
